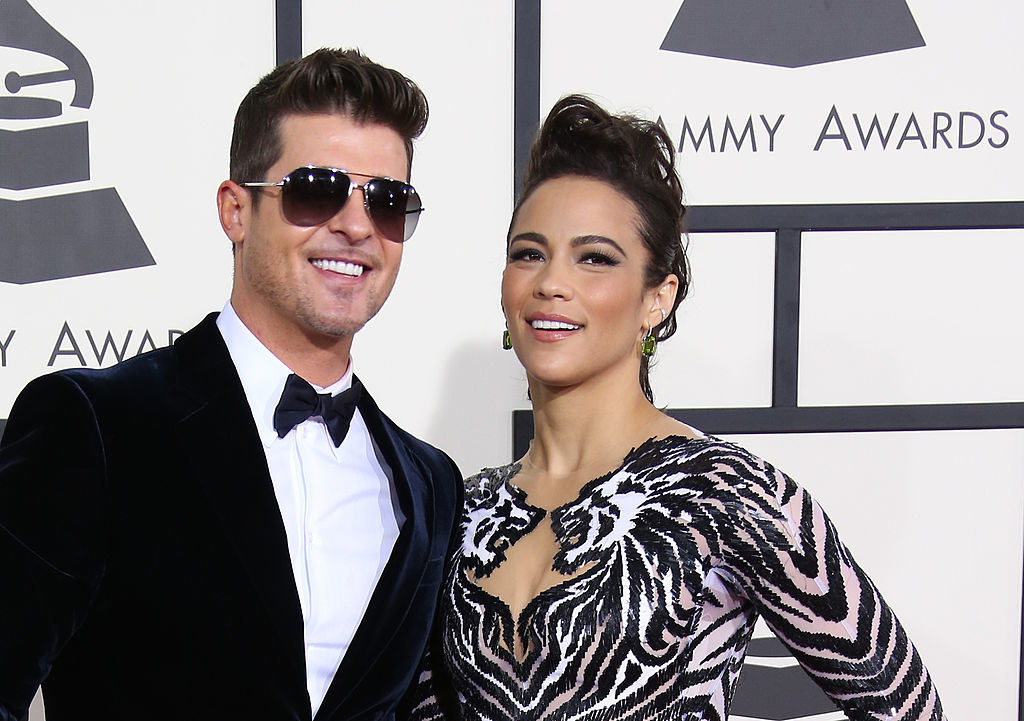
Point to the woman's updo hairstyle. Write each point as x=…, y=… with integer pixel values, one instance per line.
x=634, y=156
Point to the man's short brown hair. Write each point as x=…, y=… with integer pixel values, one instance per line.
x=325, y=81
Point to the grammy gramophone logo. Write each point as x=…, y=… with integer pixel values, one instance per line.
x=52, y=233
x=792, y=33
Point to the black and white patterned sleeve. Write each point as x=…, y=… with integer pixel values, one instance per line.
x=784, y=553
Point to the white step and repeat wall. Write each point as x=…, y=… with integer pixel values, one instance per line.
x=111, y=244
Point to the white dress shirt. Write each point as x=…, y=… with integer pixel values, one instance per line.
x=338, y=505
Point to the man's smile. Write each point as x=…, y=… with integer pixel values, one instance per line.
x=338, y=266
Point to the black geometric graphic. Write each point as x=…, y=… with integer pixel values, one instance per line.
x=792, y=33
x=23, y=28
x=59, y=155
x=65, y=236
x=776, y=694
x=56, y=236
x=288, y=22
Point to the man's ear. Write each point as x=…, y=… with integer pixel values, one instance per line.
x=233, y=208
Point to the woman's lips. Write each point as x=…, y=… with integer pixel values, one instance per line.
x=549, y=328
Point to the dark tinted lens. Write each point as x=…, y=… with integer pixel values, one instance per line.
x=312, y=195
x=394, y=207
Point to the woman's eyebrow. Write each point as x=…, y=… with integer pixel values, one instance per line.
x=528, y=235
x=596, y=240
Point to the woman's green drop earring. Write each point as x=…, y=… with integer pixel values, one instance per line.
x=506, y=340
x=649, y=344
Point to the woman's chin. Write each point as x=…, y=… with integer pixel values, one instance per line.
x=553, y=384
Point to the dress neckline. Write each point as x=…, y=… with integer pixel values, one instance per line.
x=517, y=624
x=512, y=470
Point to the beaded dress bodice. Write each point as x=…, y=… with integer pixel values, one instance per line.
x=668, y=561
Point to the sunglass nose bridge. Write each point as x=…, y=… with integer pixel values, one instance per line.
x=313, y=195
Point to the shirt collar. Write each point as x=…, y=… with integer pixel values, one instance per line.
x=262, y=373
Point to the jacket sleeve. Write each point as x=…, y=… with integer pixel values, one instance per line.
x=52, y=489
x=430, y=697
x=785, y=555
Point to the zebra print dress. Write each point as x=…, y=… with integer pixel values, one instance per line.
x=680, y=548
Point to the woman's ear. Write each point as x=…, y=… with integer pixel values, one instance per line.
x=661, y=299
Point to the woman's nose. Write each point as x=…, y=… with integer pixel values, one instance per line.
x=553, y=282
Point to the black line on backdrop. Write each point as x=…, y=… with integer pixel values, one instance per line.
x=3, y=423
x=855, y=419
x=825, y=419
x=288, y=26
x=786, y=333
x=526, y=109
x=856, y=216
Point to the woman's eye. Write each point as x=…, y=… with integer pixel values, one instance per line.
x=525, y=254
x=595, y=258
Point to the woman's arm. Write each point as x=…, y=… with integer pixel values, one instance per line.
x=785, y=554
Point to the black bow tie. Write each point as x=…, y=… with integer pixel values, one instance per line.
x=300, y=401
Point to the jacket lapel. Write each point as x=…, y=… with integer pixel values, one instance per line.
x=224, y=447
x=396, y=588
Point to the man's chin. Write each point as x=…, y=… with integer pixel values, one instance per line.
x=336, y=331
x=336, y=326
x=339, y=317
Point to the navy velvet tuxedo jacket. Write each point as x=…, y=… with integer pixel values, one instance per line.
x=143, y=560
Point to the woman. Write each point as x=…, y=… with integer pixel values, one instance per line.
x=616, y=570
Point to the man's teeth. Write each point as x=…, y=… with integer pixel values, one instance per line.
x=337, y=266
x=554, y=325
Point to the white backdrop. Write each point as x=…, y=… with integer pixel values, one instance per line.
x=168, y=78
x=909, y=317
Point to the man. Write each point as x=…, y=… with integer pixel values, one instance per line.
x=203, y=532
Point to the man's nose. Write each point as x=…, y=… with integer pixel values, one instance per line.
x=352, y=220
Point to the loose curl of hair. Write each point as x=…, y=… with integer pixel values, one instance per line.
x=636, y=158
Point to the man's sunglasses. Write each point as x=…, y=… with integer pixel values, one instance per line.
x=312, y=195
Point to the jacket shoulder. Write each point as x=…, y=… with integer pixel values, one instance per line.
x=157, y=374
x=438, y=461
